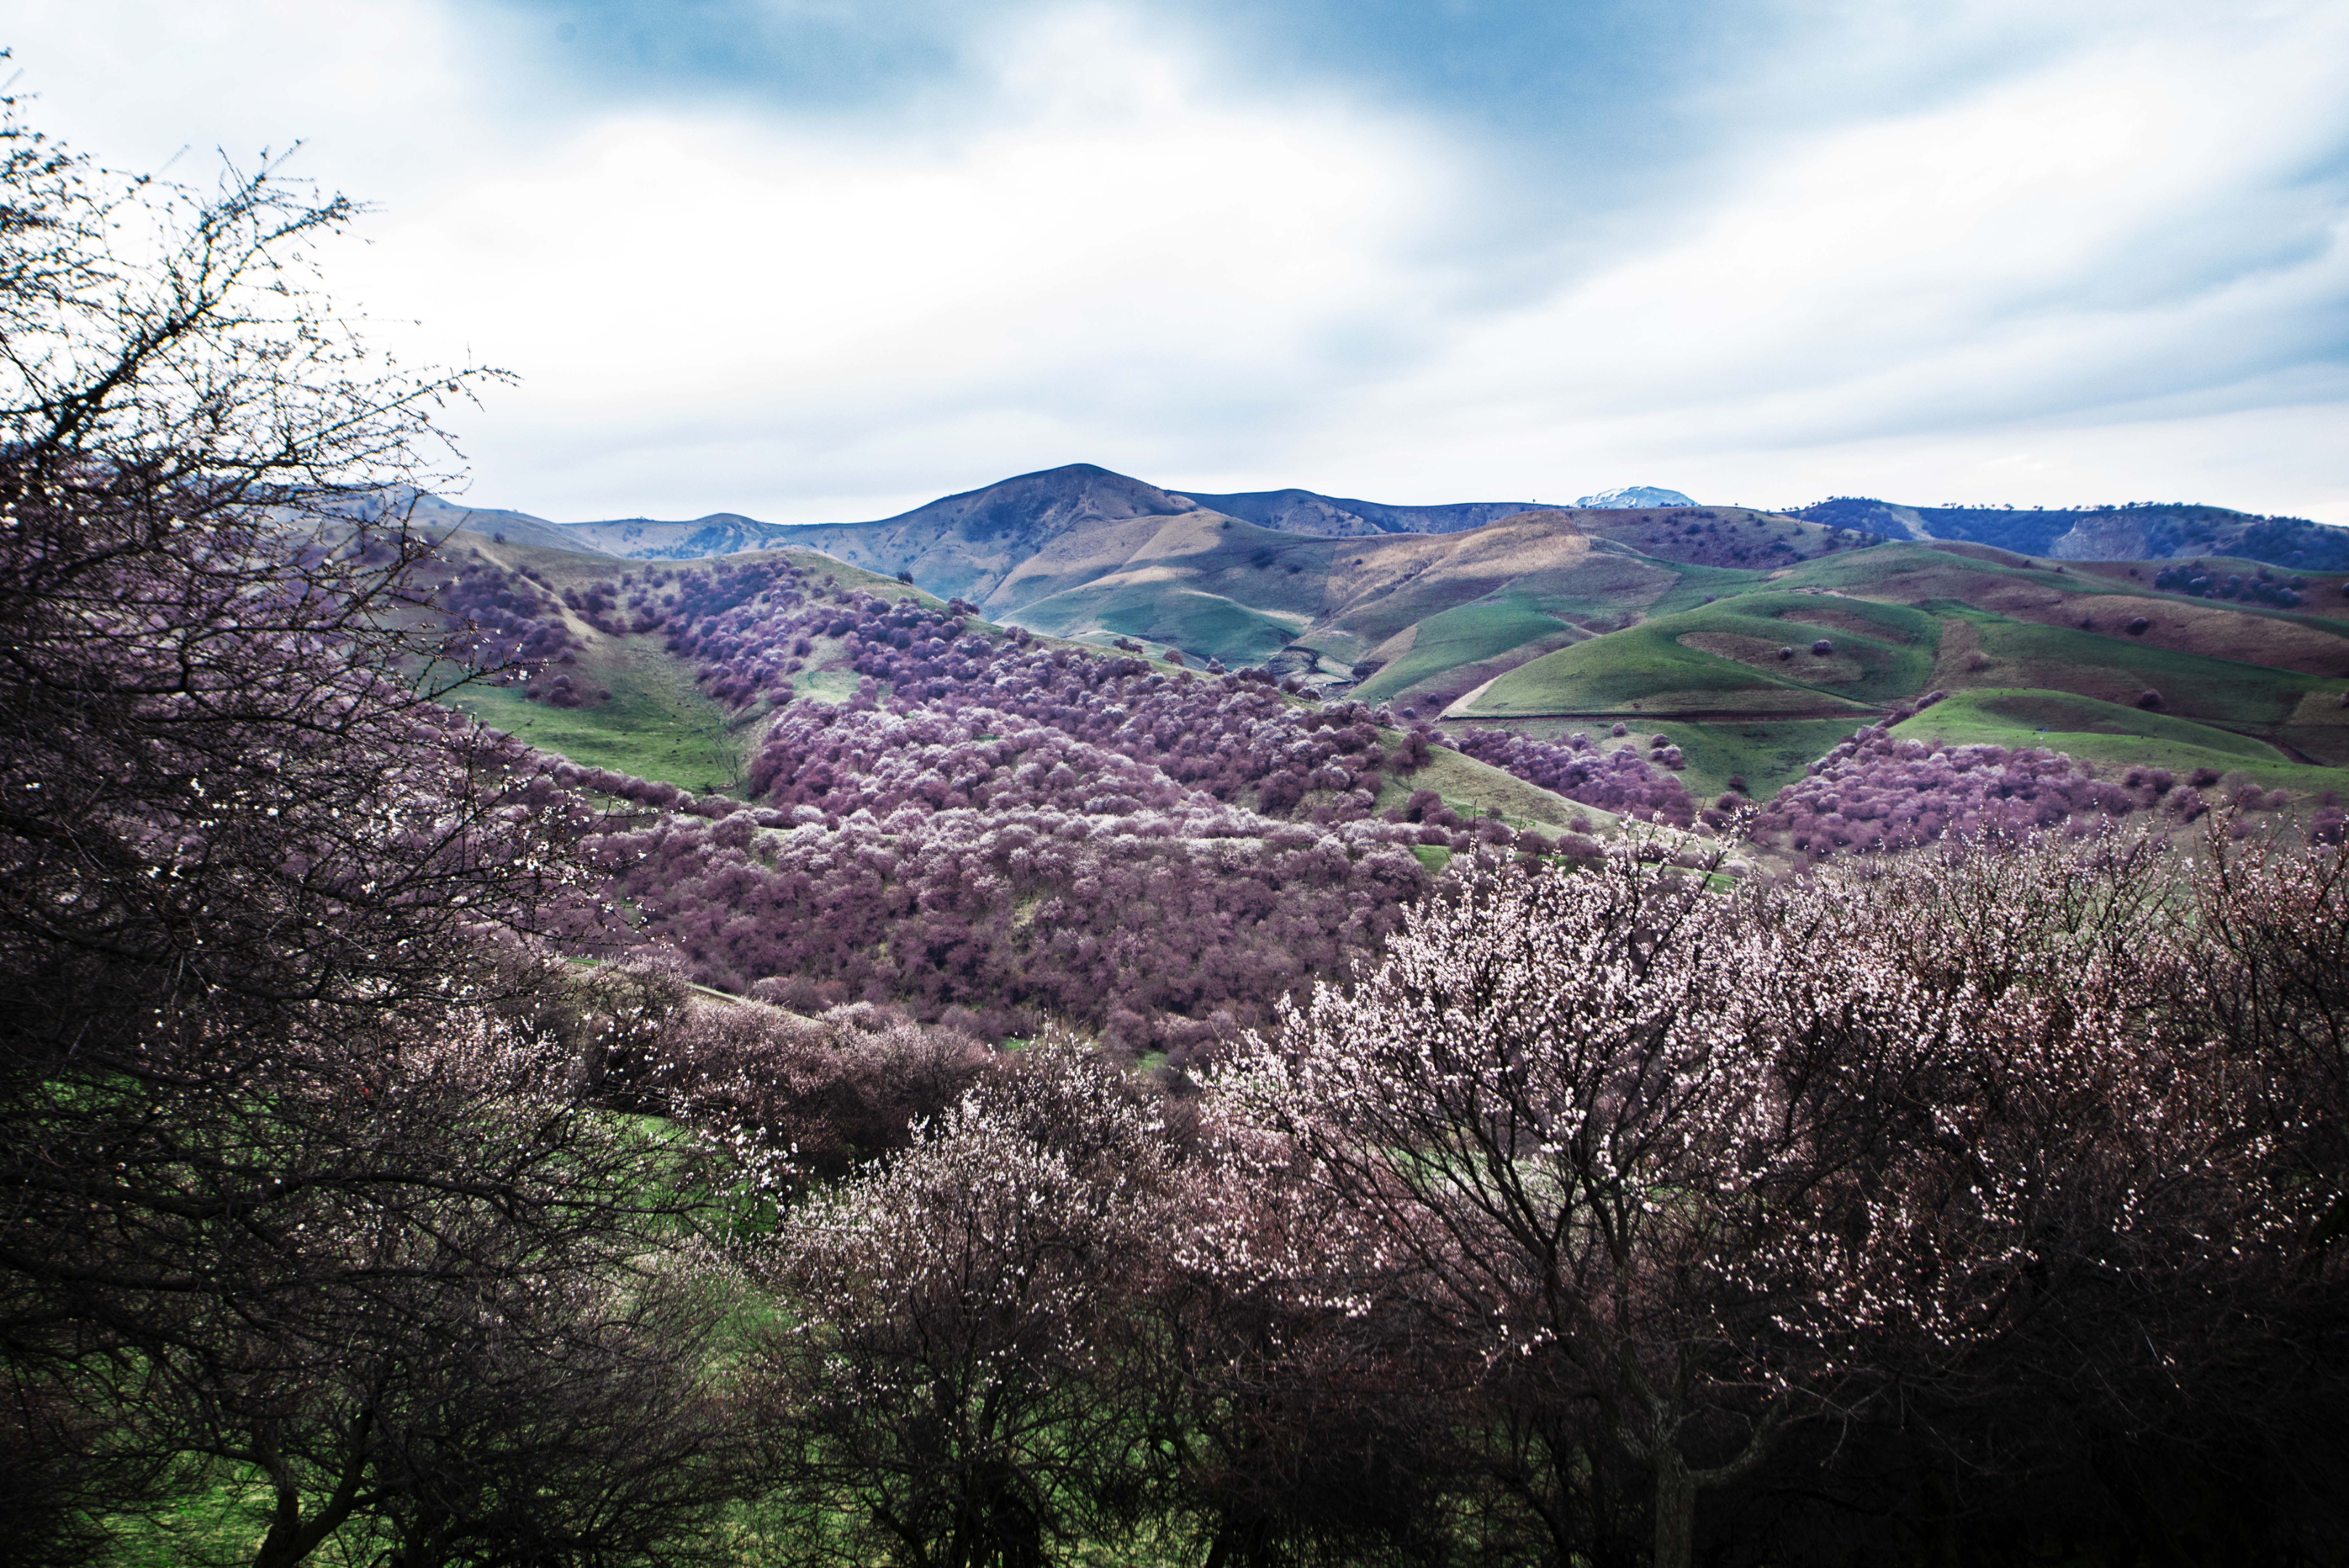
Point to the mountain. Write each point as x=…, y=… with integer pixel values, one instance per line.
x=2143, y=531
x=442, y=517
x=1019, y=539
x=1015, y=540
x=1304, y=512
x=646, y=539
x=1636, y=495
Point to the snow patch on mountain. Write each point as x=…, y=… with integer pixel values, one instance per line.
x=1633, y=496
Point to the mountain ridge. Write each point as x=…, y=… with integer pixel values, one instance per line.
x=2138, y=531
x=975, y=541
x=1295, y=511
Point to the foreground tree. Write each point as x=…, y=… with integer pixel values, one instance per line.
x=1926, y=1148
x=1553, y=1102
x=287, y=1179
x=2054, y=1223
x=955, y=1387
x=1308, y=1415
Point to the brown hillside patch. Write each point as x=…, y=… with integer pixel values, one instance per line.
x=1535, y=551
x=1827, y=614
x=2186, y=627
x=1959, y=660
x=1761, y=653
x=2100, y=681
x=1375, y=587
x=1711, y=535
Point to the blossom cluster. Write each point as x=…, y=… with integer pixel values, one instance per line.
x=1164, y=931
x=1620, y=780
x=1877, y=791
x=999, y=831
x=508, y=622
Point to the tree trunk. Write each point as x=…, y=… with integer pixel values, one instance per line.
x=1675, y=1512
x=292, y=1538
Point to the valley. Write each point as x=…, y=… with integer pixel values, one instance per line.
x=1144, y=767
x=1754, y=636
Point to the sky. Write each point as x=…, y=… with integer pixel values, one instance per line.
x=822, y=260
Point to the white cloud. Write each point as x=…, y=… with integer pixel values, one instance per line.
x=2130, y=234
x=2116, y=268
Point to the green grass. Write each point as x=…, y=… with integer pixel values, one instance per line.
x=1164, y=611
x=1652, y=666
x=1891, y=658
x=1766, y=754
x=1618, y=673
x=1471, y=788
x=2060, y=658
x=2107, y=732
x=218, y=1520
x=1463, y=634
x=657, y=725
x=2074, y=715
x=834, y=686
x=1698, y=583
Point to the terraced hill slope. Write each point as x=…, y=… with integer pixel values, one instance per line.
x=2035, y=652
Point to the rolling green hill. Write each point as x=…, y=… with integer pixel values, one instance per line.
x=657, y=724
x=1701, y=621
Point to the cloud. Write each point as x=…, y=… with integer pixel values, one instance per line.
x=1115, y=254
x=2141, y=234
x=820, y=258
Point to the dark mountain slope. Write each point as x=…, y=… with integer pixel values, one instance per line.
x=442, y=518
x=1338, y=516
x=971, y=544
x=2146, y=531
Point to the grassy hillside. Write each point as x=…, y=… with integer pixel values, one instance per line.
x=1752, y=653
x=1464, y=634
x=1417, y=619
x=1203, y=625
x=1553, y=619
x=1904, y=617
x=2021, y=654
x=2104, y=732
x=656, y=724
